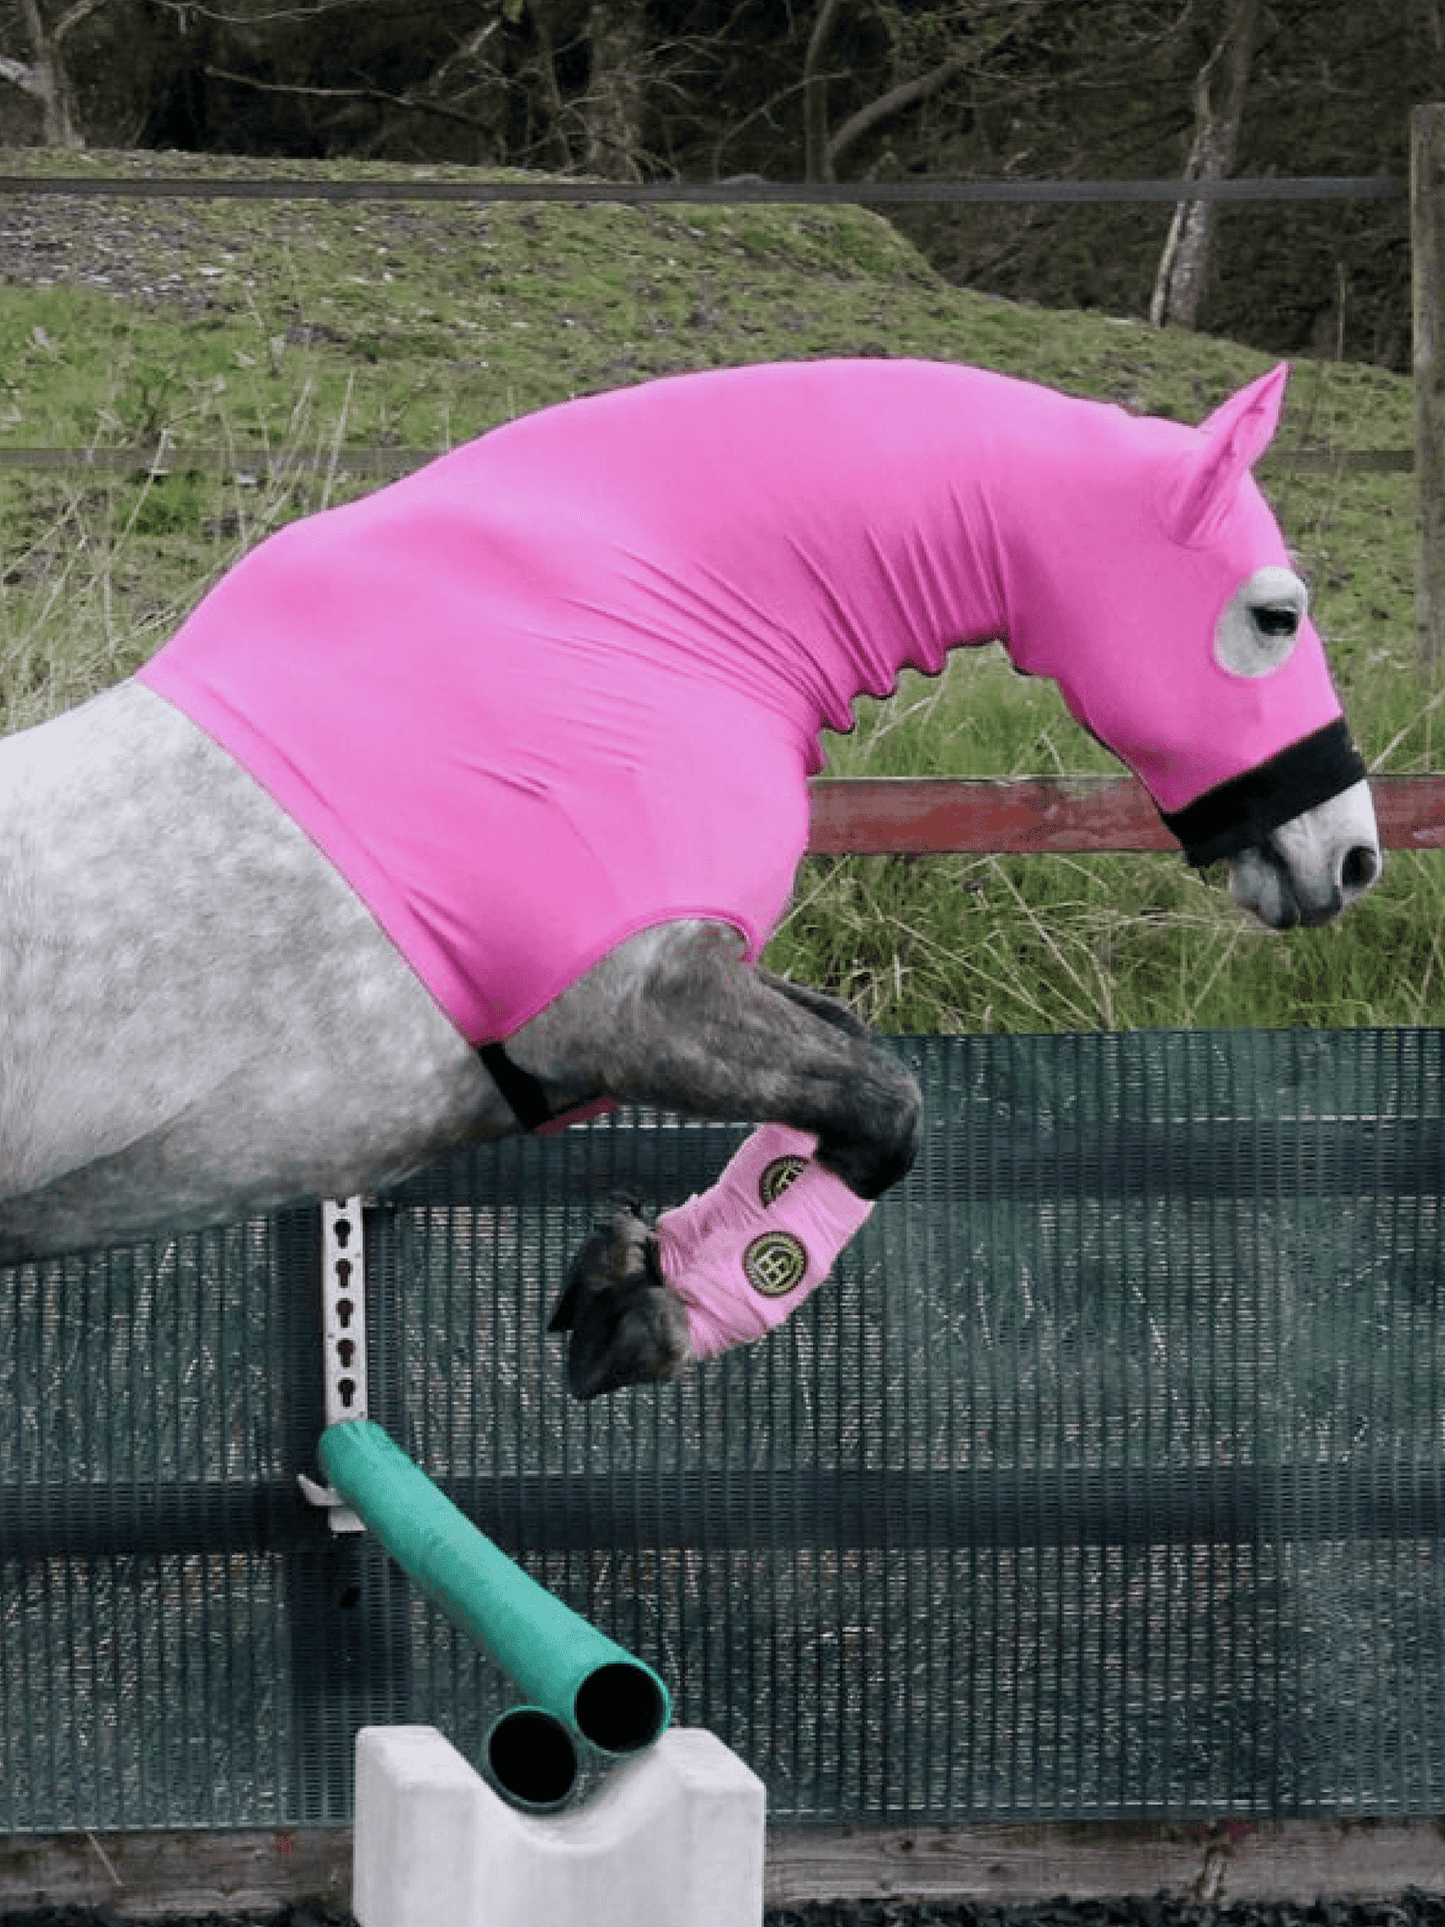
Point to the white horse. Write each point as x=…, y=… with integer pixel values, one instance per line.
x=268, y=910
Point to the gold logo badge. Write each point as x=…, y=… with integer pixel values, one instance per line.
x=775, y=1263
x=777, y=1177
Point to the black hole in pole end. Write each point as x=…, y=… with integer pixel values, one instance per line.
x=531, y=1759
x=620, y=1708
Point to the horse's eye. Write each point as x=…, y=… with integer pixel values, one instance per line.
x=1259, y=627
x=1276, y=619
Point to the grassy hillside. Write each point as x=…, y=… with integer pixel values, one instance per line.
x=308, y=329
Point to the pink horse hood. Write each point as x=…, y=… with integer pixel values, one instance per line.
x=568, y=682
x=1117, y=592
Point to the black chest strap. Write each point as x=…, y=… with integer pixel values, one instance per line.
x=525, y=1097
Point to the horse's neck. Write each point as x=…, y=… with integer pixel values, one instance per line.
x=904, y=575
x=1052, y=510
x=961, y=534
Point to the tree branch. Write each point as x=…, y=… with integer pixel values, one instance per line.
x=295, y=11
x=19, y=75
x=905, y=94
x=73, y=16
x=470, y=48
x=728, y=133
x=351, y=93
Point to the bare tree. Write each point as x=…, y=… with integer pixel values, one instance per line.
x=970, y=34
x=514, y=79
x=45, y=76
x=612, y=111
x=1184, y=265
x=447, y=101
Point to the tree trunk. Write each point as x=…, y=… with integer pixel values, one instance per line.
x=46, y=79
x=552, y=102
x=817, y=162
x=1184, y=265
x=50, y=72
x=612, y=112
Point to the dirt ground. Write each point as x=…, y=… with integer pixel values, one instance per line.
x=1410, y=1910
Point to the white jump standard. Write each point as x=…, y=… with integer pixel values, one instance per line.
x=674, y=1839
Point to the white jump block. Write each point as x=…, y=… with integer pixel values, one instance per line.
x=671, y=1839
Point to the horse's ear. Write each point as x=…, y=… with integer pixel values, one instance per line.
x=1237, y=434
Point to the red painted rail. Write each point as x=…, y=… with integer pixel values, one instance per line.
x=919, y=816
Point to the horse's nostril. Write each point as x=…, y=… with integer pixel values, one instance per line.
x=1360, y=868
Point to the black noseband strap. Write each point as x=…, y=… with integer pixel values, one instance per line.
x=1241, y=813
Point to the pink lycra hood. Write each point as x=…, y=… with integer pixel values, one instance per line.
x=1138, y=535
x=567, y=682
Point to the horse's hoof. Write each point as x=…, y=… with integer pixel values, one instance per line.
x=627, y=1325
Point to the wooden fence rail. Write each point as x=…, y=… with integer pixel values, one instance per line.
x=929, y=816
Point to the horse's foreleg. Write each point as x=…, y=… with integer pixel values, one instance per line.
x=686, y=1026
x=674, y=1019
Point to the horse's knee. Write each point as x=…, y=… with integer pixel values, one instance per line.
x=884, y=1140
x=903, y=1132
x=15, y=1250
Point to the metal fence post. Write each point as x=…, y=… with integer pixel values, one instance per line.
x=1427, y=244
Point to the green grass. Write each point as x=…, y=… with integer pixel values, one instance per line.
x=309, y=329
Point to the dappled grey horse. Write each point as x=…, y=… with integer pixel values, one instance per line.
x=467, y=805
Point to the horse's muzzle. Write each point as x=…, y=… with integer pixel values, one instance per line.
x=1242, y=813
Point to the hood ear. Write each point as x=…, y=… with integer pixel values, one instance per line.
x=1236, y=435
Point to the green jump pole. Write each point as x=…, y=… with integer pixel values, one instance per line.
x=562, y=1665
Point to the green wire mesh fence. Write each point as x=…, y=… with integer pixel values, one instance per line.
x=1106, y=1479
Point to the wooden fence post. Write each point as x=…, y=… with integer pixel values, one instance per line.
x=1427, y=243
